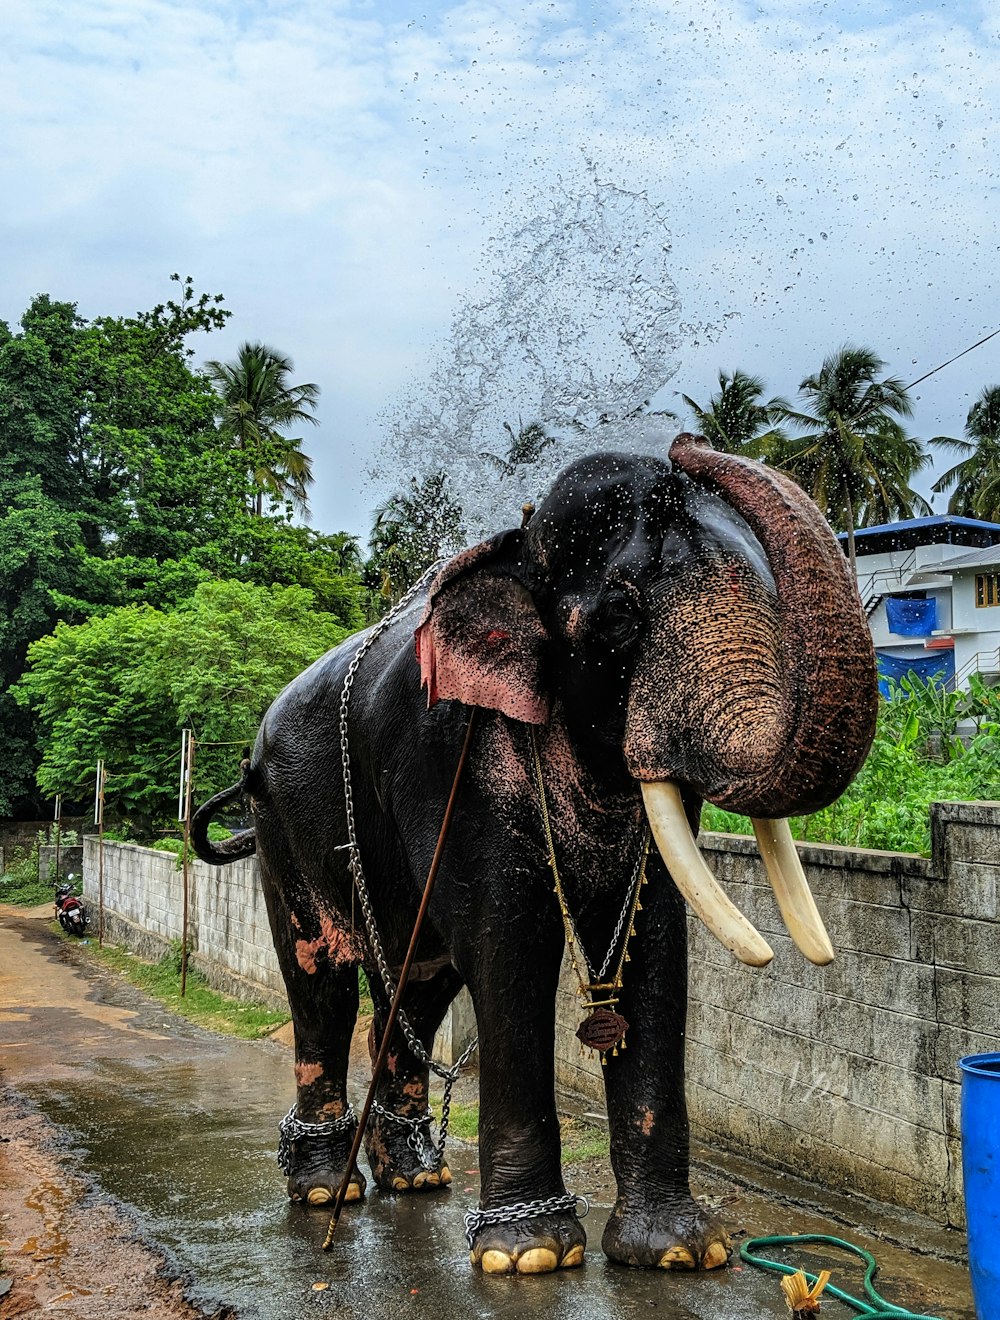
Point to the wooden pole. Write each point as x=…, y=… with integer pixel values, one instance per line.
x=189, y=774
x=404, y=976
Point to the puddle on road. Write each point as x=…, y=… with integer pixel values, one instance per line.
x=190, y=1147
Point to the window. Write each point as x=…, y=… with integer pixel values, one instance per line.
x=987, y=589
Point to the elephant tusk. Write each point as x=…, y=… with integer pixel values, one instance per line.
x=691, y=875
x=791, y=889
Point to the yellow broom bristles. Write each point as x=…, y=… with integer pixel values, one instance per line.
x=799, y=1297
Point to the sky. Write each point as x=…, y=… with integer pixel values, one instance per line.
x=356, y=179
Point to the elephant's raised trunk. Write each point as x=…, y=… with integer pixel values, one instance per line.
x=764, y=694
x=775, y=710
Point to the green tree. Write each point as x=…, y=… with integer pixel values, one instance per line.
x=852, y=454
x=412, y=530
x=258, y=403
x=736, y=420
x=121, y=686
x=976, y=477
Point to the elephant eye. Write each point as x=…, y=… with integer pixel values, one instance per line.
x=618, y=619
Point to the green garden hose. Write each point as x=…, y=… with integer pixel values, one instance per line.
x=875, y=1306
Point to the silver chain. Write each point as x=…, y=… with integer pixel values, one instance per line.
x=629, y=895
x=292, y=1128
x=447, y=1075
x=419, y=1139
x=511, y=1214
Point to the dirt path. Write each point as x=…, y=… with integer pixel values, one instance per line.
x=67, y=1251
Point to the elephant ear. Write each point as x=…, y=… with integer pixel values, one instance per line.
x=480, y=640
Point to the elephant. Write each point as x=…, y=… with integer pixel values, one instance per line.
x=661, y=631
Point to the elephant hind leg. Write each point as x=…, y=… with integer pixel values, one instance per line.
x=400, y=1141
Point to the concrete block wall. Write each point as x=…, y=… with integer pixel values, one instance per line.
x=227, y=921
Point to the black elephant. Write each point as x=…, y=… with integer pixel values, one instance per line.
x=662, y=631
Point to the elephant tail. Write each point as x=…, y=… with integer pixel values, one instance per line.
x=241, y=844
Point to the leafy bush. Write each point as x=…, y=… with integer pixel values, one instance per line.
x=917, y=758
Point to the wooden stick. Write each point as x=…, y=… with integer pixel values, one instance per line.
x=404, y=976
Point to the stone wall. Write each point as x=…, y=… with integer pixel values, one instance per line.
x=845, y=1075
x=228, y=929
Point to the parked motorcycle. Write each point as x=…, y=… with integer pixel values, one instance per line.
x=72, y=914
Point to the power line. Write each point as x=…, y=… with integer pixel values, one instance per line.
x=928, y=374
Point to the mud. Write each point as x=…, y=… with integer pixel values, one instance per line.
x=174, y=1130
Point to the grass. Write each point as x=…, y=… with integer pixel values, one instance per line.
x=25, y=892
x=202, y=1005
x=580, y=1140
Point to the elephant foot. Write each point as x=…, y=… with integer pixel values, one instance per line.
x=316, y=1172
x=402, y=1156
x=677, y=1236
x=530, y=1246
x=314, y=1157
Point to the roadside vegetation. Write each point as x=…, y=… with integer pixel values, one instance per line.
x=200, y=1004
x=918, y=757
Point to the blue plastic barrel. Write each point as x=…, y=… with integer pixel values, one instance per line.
x=981, y=1171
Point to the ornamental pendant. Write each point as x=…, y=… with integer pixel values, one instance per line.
x=602, y=1030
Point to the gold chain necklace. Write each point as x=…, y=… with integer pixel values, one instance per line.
x=602, y=1030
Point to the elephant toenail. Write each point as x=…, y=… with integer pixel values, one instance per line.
x=319, y=1196
x=715, y=1256
x=572, y=1258
x=496, y=1262
x=537, y=1260
x=677, y=1258
x=399, y=1184
x=445, y=1175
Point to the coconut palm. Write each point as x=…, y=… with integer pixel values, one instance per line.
x=976, y=477
x=852, y=454
x=257, y=403
x=526, y=446
x=736, y=421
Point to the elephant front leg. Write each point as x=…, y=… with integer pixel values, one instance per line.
x=656, y=1222
x=526, y=1223
x=399, y=1139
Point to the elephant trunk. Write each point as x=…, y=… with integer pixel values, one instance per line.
x=769, y=702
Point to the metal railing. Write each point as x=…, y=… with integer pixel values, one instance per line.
x=876, y=585
x=983, y=662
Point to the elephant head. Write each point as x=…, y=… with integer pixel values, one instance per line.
x=698, y=625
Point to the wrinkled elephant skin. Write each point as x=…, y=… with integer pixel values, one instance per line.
x=666, y=630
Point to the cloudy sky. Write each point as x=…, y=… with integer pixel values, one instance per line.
x=350, y=174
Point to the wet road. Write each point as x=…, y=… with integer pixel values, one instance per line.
x=179, y=1124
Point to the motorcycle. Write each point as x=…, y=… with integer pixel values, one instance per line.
x=73, y=915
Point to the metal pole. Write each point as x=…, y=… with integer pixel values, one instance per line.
x=101, y=776
x=189, y=773
x=404, y=976
x=58, y=831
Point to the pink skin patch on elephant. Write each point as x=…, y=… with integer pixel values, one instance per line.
x=340, y=946
x=307, y=1073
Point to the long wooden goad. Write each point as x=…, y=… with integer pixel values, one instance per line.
x=404, y=976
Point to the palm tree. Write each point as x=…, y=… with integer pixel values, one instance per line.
x=976, y=477
x=736, y=421
x=854, y=457
x=258, y=403
x=526, y=446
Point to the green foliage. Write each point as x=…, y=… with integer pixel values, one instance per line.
x=125, y=482
x=976, y=476
x=736, y=420
x=121, y=686
x=917, y=758
x=21, y=883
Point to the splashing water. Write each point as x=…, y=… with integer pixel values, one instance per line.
x=578, y=332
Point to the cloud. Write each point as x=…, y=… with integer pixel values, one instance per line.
x=338, y=169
